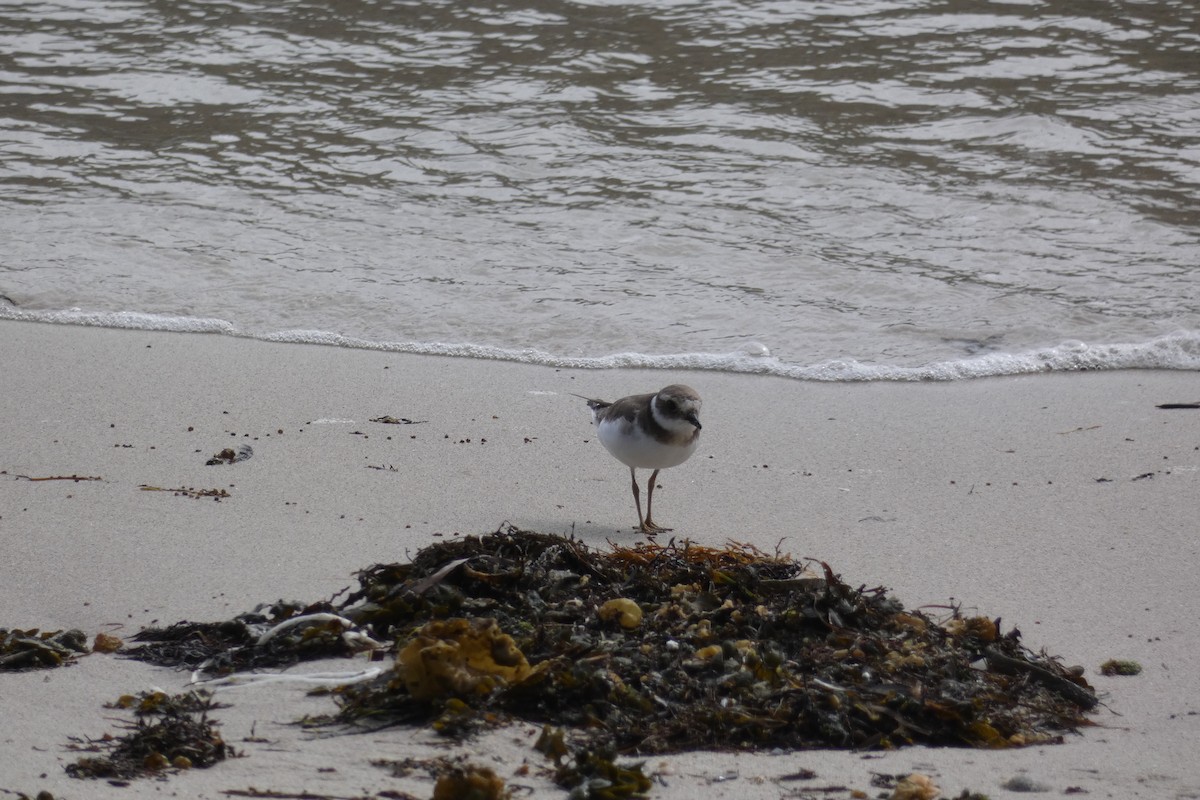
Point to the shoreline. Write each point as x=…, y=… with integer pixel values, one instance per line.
x=1061, y=502
x=1174, y=350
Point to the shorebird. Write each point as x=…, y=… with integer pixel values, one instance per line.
x=651, y=431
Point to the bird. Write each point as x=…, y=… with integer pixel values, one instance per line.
x=651, y=431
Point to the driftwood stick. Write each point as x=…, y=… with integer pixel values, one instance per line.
x=1016, y=666
x=75, y=478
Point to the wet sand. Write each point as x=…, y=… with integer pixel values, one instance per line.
x=1066, y=504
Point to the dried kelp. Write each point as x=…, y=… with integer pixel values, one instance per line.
x=37, y=649
x=454, y=777
x=662, y=648
x=591, y=773
x=188, y=491
x=230, y=456
x=181, y=736
x=278, y=635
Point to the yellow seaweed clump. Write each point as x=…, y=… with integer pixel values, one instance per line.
x=107, y=643
x=981, y=628
x=460, y=658
x=470, y=783
x=626, y=612
x=916, y=787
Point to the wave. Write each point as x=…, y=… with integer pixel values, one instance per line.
x=1175, y=351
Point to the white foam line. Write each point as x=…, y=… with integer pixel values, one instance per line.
x=1177, y=351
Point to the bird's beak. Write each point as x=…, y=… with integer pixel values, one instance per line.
x=692, y=418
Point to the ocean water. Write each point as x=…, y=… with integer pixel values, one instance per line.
x=820, y=190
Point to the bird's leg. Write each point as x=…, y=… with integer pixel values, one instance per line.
x=637, y=497
x=648, y=526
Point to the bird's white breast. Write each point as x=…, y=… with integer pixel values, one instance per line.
x=633, y=447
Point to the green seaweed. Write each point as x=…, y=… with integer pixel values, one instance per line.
x=1116, y=666
x=36, y=649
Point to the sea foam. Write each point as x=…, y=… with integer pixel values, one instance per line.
x=1176, y=351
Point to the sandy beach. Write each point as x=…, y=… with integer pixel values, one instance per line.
x=1065, y=504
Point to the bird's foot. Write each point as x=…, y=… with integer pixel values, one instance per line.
x=650, y=528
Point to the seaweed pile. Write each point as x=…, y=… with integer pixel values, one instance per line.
x=180, y=737
x=662, y=648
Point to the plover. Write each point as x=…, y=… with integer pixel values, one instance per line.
x=651, y=431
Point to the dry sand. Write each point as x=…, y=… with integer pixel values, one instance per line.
x=1064, y=503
